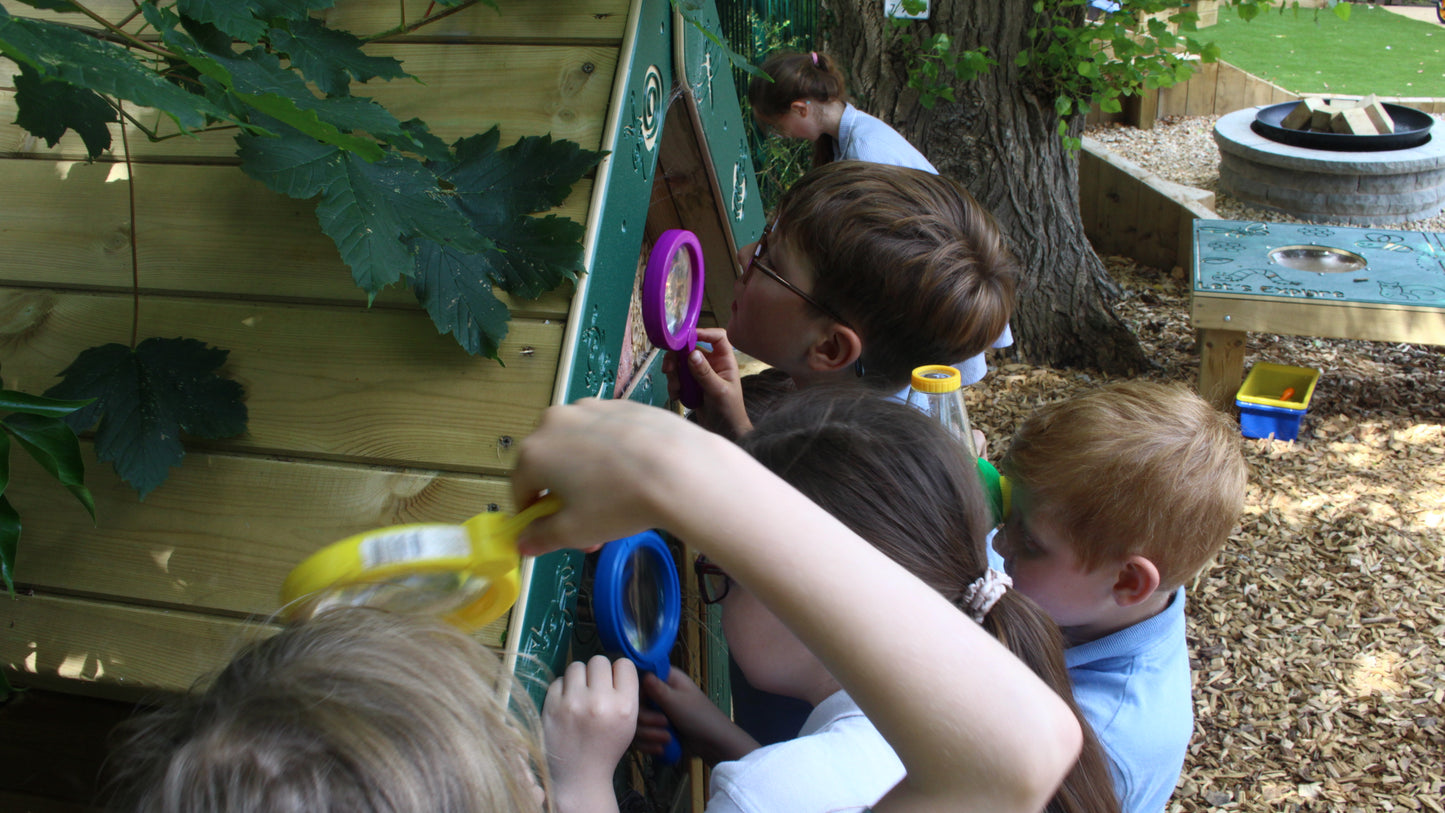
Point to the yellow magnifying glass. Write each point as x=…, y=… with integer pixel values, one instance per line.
x=467, y=574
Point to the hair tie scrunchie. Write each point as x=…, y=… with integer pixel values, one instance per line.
x=815, y=58
x=985, y=592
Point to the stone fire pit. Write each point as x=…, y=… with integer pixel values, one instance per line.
x=1328, y=186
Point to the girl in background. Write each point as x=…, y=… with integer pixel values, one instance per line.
x=807, y=98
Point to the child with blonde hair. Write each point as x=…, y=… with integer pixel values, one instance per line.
x=365, y=710
x=1121, y=495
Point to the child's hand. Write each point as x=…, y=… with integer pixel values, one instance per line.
x=588, y=719
x=717, y=374
x=617, y=466
x=704, y=730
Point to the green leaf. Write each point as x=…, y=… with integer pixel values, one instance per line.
x=9, y=541
x=261, y=82
x=456, y=290
x=330, y=58
x=145, y=399
x=291, y=163
x=250, y=20
x=231, y=17
x=4, y=462
x=62, y=53
x=54, y=446
x=532, y=175
x=46, y=108
x=422, y=142
x=1210, y=53
x=1342, y=10
x=1110, y=104
x=1063, y=105
x=12, y=401
x=368, y=209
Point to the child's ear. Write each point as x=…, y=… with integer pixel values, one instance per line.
x=801, y=107
x=835, y=350
x=1138, y=579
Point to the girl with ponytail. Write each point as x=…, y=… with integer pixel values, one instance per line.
x=807, y=98
x=897, y=479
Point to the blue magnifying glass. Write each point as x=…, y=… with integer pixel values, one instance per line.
x=637, y=602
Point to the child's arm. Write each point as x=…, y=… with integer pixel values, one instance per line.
x=717, y=374
x=975, y=728
x=705, y=731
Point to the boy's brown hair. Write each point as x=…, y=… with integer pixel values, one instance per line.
x=1133, y=468
x=909, y=258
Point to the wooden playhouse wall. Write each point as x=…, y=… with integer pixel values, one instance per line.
x=359, y=417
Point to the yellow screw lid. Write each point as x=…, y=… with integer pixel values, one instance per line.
x=936, y=378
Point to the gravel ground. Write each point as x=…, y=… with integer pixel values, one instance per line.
x=1318, y=635
x=1182, y=149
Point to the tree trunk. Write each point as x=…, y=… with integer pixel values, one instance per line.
x=1000, y=139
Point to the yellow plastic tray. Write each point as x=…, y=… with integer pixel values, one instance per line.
x=1267, y=382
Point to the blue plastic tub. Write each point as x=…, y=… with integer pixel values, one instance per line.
x=1261, y=421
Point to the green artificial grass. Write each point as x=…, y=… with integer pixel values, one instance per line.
x=1375, y=51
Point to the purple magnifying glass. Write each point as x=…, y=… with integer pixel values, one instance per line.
x=672, y=289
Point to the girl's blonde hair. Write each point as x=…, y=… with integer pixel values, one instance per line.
x=796, y=77
x=354, y=710
x=1133, y=467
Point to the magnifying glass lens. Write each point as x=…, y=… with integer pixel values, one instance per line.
x=418, y=593
x=679, y=289
x=642, y=610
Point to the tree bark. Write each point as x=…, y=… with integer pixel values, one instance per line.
x=1000, y=139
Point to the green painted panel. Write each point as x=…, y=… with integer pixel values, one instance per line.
x=625, y=183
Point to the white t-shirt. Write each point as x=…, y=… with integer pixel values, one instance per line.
x=838, y=762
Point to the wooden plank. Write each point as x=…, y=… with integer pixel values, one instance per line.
x=1221, y=366
x=1158, y=221
x=375, y=386
x=261, y=518
x=1311, y=317
x=512, y=19
x=108, y=650
x=1174, y=100
x=1231, y=93
x=199, y=229
x=65, y=221
x=1118, y=214
x=464, y=90
x=1203, y=89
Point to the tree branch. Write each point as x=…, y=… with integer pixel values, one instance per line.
x=407, y=28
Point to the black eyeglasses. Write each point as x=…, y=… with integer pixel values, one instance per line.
x=757, y=262
x=713, y=582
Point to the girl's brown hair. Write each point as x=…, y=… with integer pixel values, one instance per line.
x=899, y=480
x=354, y=710
x=798, y=77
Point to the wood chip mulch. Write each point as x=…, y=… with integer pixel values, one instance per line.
x=1318, y=635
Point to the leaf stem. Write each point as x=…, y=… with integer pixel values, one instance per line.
x=134, y=253
x=113, y=32
x=407, y=28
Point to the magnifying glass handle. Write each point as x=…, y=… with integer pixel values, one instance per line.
x=672, y=752
x=689, y=391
